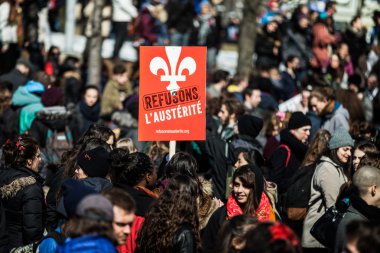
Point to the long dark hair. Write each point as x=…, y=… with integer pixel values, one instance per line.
x=248, y=178
x=71, y=159
x=95, y=131
x=317, y=147
x=176, y=207
x=181, y=163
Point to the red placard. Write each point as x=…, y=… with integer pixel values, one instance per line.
x=172, y=93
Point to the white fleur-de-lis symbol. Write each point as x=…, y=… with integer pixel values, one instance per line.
x=172, y=75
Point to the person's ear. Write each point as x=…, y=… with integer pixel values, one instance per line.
x=148, y=178
x=29, y=162
x=373, y=190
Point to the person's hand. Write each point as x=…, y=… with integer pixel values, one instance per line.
x=218, y=202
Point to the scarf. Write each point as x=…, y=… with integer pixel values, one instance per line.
x=147, y=191
x=205, y=28
x=90, y=113
x=372, y=213
x=263, y=213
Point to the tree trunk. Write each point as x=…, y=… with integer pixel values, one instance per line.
x=247, y=39
x=95, y=46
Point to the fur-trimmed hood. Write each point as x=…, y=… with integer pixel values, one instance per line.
x=10, y=190
x=206, y=204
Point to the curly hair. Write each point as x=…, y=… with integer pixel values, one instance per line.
x=127, y=168
x=16, y=152
x=177, y=206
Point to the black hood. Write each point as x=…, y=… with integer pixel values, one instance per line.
x=298, y=148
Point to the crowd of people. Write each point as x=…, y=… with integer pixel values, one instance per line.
x=285, y=147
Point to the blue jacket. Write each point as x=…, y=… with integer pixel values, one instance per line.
x=49, y=245
x=87, y=244
x=30, y=103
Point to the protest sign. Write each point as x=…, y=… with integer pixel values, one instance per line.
x=172, y=93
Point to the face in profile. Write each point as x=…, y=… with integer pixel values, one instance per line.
x=358, y=155
x=122, y=224
x=344, y=154
x=318, y=105
x=240, y=160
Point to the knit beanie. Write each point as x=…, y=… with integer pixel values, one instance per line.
x=340, y=138
x=298, y=120
x=94, y=162
x=249, y=125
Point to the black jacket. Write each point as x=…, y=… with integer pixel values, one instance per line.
x=143, y=200
x=184, y=241
x=180, y=15
x=15, y=77
x=23, y=199
x=279, y=173
x=210, y=232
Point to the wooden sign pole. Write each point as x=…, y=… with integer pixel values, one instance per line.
x=172, y=145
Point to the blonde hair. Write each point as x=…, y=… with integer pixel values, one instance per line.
x=127, y=144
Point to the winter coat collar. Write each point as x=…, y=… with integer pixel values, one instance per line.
x=372, y=213
x=26, y=178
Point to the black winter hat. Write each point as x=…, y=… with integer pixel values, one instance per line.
x=94, y=162
x=298, y=120
x=250, y=125
x=73, y=191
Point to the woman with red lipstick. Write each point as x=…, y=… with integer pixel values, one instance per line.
x=247, y=198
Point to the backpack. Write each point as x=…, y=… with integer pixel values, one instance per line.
x=288, y=155
x=33, y=247
x=282, y=197
x=57, y=142
x=298, y=194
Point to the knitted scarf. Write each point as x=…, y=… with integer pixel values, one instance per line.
x=263, y=213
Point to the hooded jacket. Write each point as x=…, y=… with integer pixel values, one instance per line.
x=30, y=103
x=24, y=205
x=325, y=186
x=282, y=170
x=339, y=117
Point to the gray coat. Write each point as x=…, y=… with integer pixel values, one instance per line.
x=351, y=215
x=325, y=185
x=339, y=118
